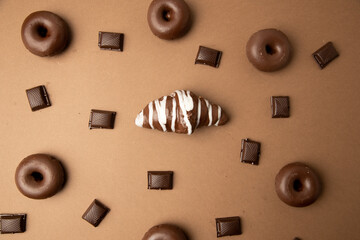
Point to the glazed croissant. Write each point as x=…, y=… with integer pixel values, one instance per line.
x=181, y=112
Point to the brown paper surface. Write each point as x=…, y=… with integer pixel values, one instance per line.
x=209, y=180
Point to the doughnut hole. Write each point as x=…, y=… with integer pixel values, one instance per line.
x=166, y=15
x=38, y=177
x=42, y=31
x=297, y=185
x=270, y=50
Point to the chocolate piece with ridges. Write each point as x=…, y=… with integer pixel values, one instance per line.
x=280, y=107
x=160, y=179
x=250, y=151
x=38, y=98
x=208, y=56
x=111, y=41
x=95, y=213
x=228, y=226
x=325, y=54
x=12, y=223
x=102, y=119
x=181, y=112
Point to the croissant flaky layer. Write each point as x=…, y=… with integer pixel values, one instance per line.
x=181, y=112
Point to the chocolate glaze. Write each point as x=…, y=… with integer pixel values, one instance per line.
x=268, y=50
x=45, y=33
x=39, y=176
x=164, y=232
x=297, y=185
x=181, y=112
x=169, y=19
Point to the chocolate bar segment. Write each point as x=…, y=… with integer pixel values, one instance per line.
x=38, y=98
x=228, y=226
x=102, y=119
x=160, y=179
x=12, y=223
x=250, y=151
x=95, y=213
x=111, y=41
x=208, y=56
x=325, y=54
x=280, y=107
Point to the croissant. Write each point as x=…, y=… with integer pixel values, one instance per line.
x=181, y=112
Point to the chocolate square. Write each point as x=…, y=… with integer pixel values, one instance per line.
x=160, y=179
x=102, y=119
x=280, y=107
x=111, y=41
x=38, y=98
x=325, y=54
x=95, y=213
x=250, y=151
x=228, y=226
x=208, y=56
x=12, y=223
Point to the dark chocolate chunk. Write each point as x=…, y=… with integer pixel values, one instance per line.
x=228, y=226
x=297, y=238
x=111, y=41
x=95, y=213
x=38, y=98
x=160, y=179
x=325, y=54
x=208, y=56
x=250, y=151
x=280, y=107
x=102, y=119
x=12, y=223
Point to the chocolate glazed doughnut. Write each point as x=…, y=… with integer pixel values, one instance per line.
x=168, y=19
x=39, y=176
x=164, y=232
x=297, y=185
x=45, y=33
x=268, y=50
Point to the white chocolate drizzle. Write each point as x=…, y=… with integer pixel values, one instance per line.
x=184, y=118
x=173, y=119
x=139, y=121
x=160, y=107
x=219, y=116
x=151, y=113
x=186, y=104
x=209, y=107
x=198, y=113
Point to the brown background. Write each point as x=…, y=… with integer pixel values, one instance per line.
x=209, y=179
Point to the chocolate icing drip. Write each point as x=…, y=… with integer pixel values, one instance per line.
x=181, y=112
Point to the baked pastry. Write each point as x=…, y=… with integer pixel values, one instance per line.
x=268, y=50
x=297, y=185
x=164, y=232
x=181, y=112
x=45, y=33
x=39, y=176
x=169, y=19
